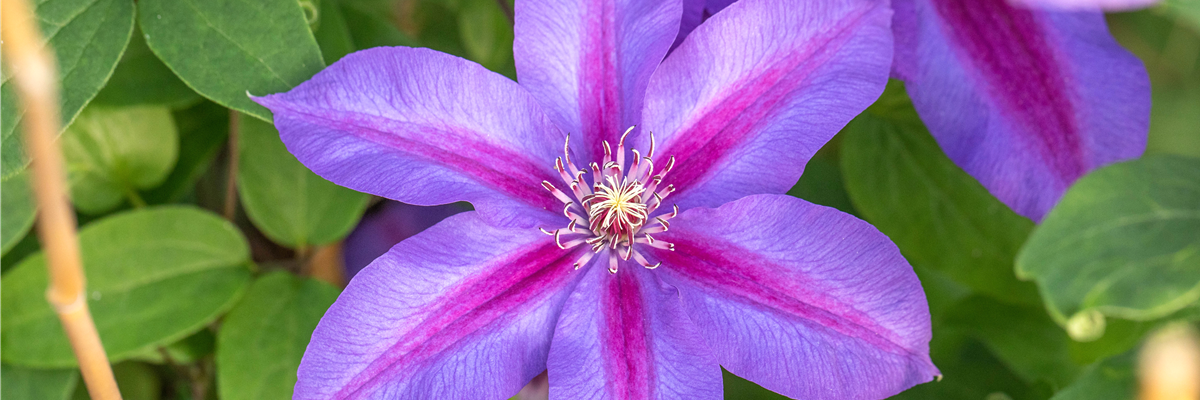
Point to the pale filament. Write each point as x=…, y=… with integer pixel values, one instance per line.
x=613, y=211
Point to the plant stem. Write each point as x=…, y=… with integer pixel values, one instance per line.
x=231, y=179
x=37, y=84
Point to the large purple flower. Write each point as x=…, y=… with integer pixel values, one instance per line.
x=568, y=264
x=1025, y=100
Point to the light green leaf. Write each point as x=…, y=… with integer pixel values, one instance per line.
x=290, y=204
x=1187, y=10
x=263, y=338
x=940, y=217
x=1124, y=241
x=113, y=152
x=154, y=276
x=142, y=79
x=226, y=48
x=18, y=207
x=88, y=37
x=18, y=383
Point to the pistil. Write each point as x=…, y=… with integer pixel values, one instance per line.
x=615, y=207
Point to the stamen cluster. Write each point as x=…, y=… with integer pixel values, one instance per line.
x=612, y=212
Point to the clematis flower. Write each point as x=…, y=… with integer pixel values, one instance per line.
x=1026, y=101
x=627, y=263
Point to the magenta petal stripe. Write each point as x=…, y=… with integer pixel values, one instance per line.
x=753, y=92
x=805, y=300
x=1025, y=101
x=463, y=293
x=588, y=61
x=422, y=127
x=626, y=336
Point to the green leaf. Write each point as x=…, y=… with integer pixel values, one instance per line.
x=142, y=79
x=1111, y=379
x=369, y=26
x=263, y=338
x=18, y=383
x=189, y=350
x=226, y=48
x=290, y=204
x=487, y=35
x=1187, y=10
x=203, y=129
x=113, y=152
x=87, y=37
x=19, y=209
x=971, y=371
x=136, y=381
x=1023, y=337
x=332, y=33
x=154, y=276
x=822, y=180
x=940, y=217
x=1124, y=241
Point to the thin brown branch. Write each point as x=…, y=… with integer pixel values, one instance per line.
x=34, y=74
x=231, y=179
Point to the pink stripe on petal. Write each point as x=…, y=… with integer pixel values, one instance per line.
x=1008, y=46
x=802, y=299
x=753, y=92
x=627, y=360
x=461, y=310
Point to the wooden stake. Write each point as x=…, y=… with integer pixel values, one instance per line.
x=35, y=74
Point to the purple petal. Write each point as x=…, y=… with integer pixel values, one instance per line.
x=464, y=310
x=625, y=336
x=802, y=299
x=1084, y=5
x=588, y=61
x=1025, y=101
x=385, y=225
x=424, y=128
x=754, y=91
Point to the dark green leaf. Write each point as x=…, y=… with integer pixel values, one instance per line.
x=142, y=79
x=154, y=276
x=1124, y=241
x=369, y=24
x=264, y=336
x=290, y=204
x=822, y=181
x=111, y=152
x=186, y=351
x=88, y=37
x=940, y=217
x=487, y=35
x=970, y=371
x=18, y=383
x=226, y=48
x=203, y=129
x=136, y=381
x=332, y=34
x=1111, y=379
x=1023, y=337
x=19, y=209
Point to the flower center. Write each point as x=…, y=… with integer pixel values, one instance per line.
x=615, y=207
